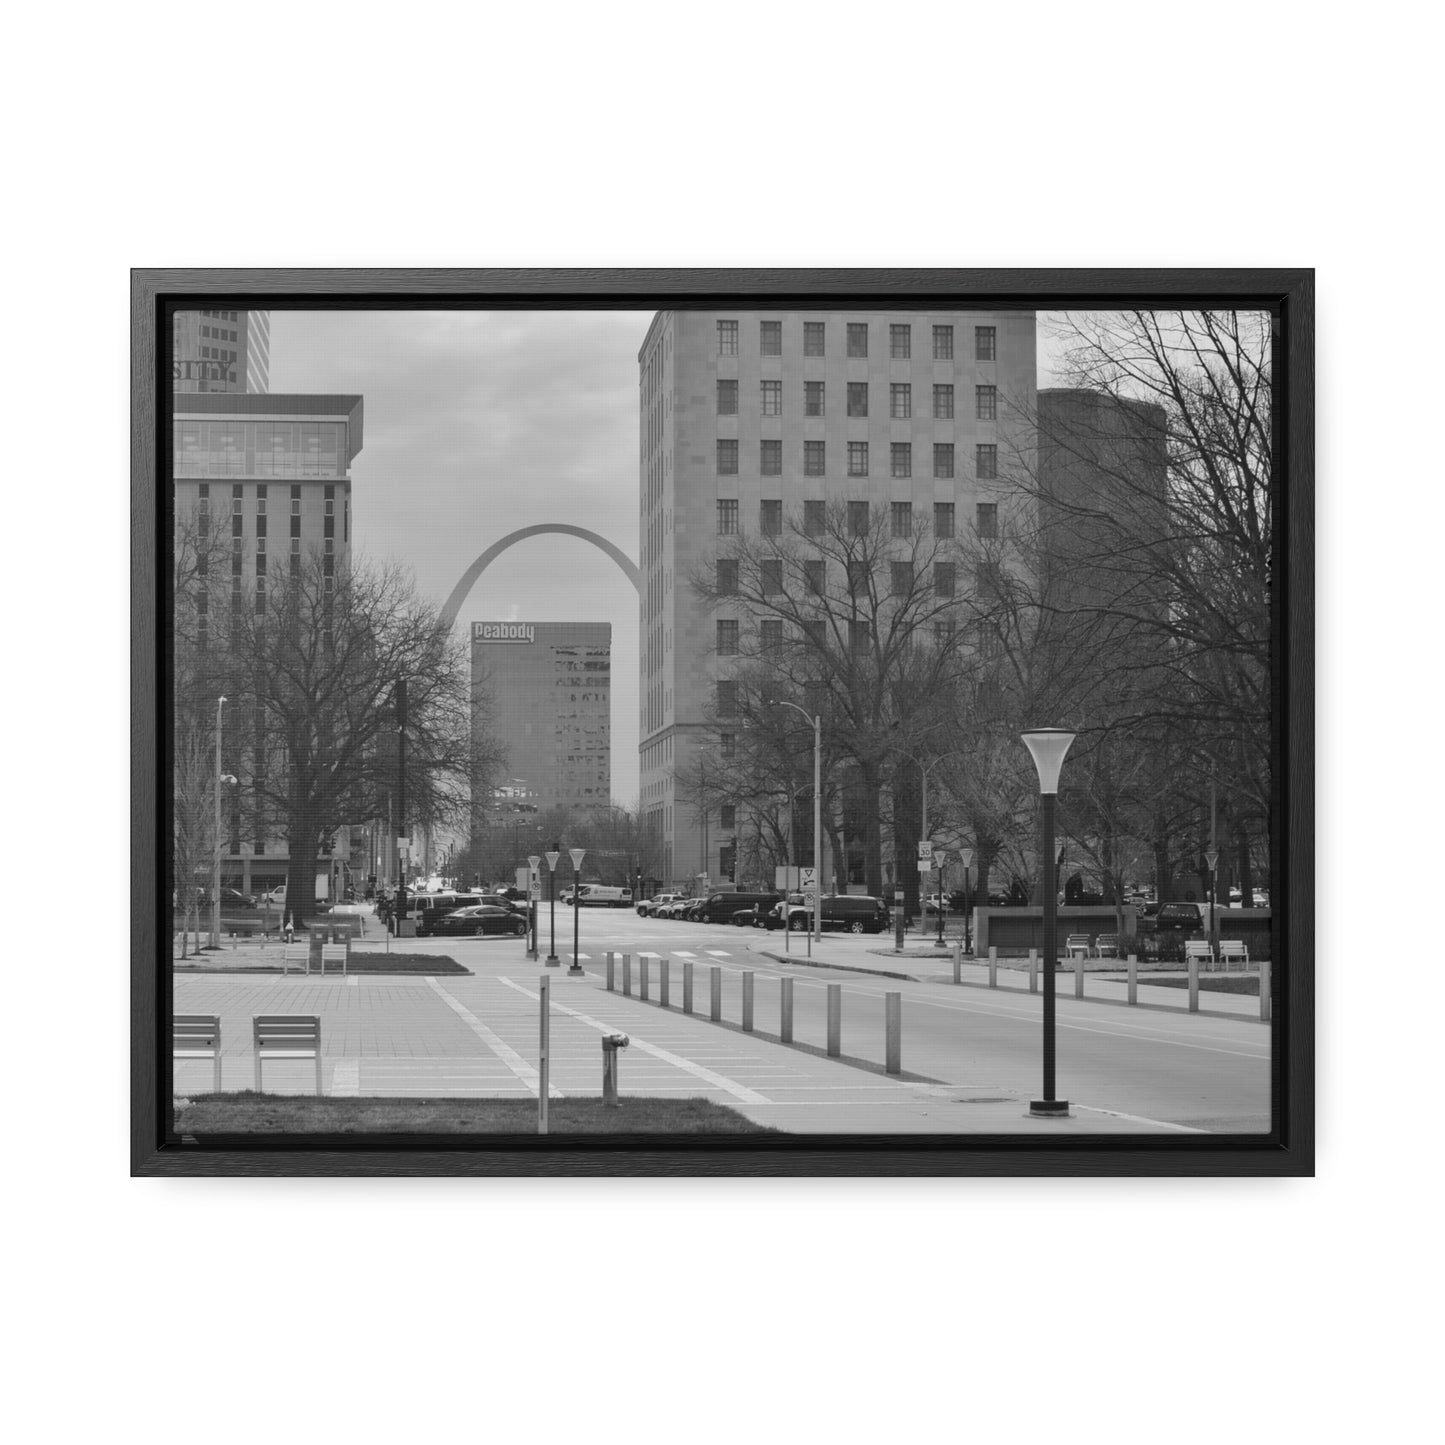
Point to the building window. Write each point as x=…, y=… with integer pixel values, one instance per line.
x=987, y=402
x=727, y=518
x=900, y=515
x=771, y=518
x=857, y=518
x=857, y=398
x=986, y=519
x=901, y=459
x=902, y=578
x=859, y=637
x=813, y=459
x=943, y=579
x=943, y=519
x=943, y=343
x=772, y=635
x=987, y=462
x=771, y=342
x=815, y=576
x=814, y=519
x=812, y=398
x=727, y=338
x=985, y=343
x=727, y=398
x=943, y=402
x=727, y=699
x=727, y=577
x=770, y=458
x=813, y=338
x=727, y=637
x=900, y=401
x=771, y=576
x=728, y=815
x=857, y=338
x=857, y=459
x=943, y=459
x=728, y=744
x=815, y=630
x=727, y=457
x=900, y=341
x=943, y=635
x=772, y=398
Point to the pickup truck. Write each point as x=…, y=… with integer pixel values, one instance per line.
x=649, y=906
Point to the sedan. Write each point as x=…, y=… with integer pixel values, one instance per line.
x=480, y=919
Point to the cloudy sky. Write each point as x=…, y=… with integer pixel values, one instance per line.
x=477, y=424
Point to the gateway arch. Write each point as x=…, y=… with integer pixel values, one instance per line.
x=469, y=577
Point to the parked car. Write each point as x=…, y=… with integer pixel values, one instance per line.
x=750, y=917
x=598, y=895
x=720, y=907
x=428, y=909
x=934, y=904
x=1182, y=918
x=840, y=912
x=232, y=899
x=651, y=907
x=479, y=919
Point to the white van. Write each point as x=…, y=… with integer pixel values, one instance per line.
x=596, y=895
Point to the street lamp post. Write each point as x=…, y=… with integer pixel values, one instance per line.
x=1048, y=747
x=216, y=851
x=1212, y=858
x=966, y=857
x=817, y=721
x=552, y=856
x=534, y=880
x=577, y=856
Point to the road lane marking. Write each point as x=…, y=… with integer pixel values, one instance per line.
x=719, y=1081
x=503, y=1050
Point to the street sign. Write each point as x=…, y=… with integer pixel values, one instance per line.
x=925, y=865
x=808, y=879
x=534, y=888
x=925, y=849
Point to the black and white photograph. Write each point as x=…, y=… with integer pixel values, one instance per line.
x=723, y=721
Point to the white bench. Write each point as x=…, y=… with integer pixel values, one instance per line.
x=333, y=953
x=1232, y=951
x=287, y=1036
x=198, y=1036
x=1107, y=945
x=1078, y=943
x=297, y=953
x=1200, y=949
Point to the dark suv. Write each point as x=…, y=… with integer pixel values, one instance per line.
x=847, y=913
x=720, y=907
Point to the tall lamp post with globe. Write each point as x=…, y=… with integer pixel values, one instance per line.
x=1048, y=747
x=534, y=879
x=965, y=856
x=578, y=854
x=553, y=854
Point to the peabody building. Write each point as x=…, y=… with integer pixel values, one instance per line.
x=549, y=685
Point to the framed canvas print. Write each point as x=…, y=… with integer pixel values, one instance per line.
x=728, y=722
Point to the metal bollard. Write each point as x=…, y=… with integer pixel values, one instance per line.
x=1193, y=984
x=893, y=1031
x=611, y=979
x=1265, y=1004
x=747, y=1002
x=687, y=986
x=1133, y=978
x=992, y=967
x=715, y=992
x=664, y=981
x=785, y=1010
x=1033, y=970
x=627, y=974
x=610, y=1045
x=1079, y=976
x=958, y=960
x=644, y=970
x=835, y=1020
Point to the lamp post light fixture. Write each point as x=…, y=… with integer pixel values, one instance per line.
x=578, y=854
x=817, y=721
x=965, y=856
x=1212, y=858
x=534, y=880
x=1048, y=746
x=553, y=854
x=942, y=859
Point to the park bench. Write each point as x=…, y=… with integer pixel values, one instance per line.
x=287, y=1036
x=1078, y=943
x=1232, y=951
x=197, y=1036
x=297, y=953
x=1200, y=949
x=333, y=953
x=1107, y=945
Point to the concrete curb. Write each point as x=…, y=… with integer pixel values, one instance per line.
x=796, y=962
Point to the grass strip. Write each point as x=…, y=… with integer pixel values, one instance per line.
x=247, y=1112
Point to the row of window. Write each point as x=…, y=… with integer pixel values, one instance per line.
x=815, y=459
x=815, y=517
x=900, y=400
x=860, y=633
x=900, y=340
x=219, y=333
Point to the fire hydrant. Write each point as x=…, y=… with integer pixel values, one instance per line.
x=610, y=1045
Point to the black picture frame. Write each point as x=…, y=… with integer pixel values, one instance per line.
x=1287, y=294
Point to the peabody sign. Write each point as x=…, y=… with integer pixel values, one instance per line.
x=503, y=632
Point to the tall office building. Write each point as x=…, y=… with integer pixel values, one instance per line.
x=748, y=416
x=274, y=474
x=549, y=688
x=225, y=351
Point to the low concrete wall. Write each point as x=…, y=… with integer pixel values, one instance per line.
x=1013, y=931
